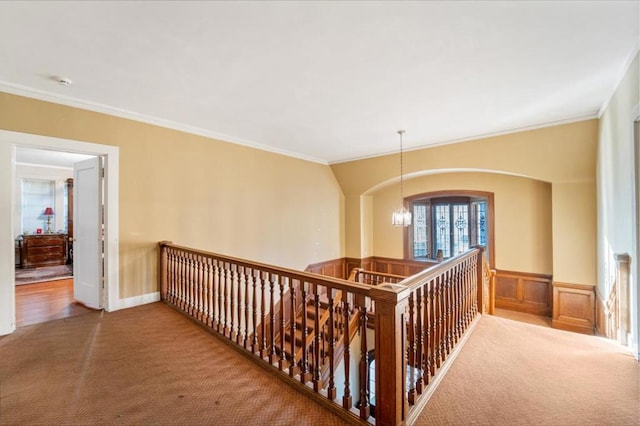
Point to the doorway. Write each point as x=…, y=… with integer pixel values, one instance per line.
x=43, y=208
x=9, y=143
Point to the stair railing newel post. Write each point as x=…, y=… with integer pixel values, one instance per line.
x=164, y=269
x=391, y=303
x=478, y=285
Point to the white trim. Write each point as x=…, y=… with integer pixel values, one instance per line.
x=8, y=141
x=104, y=109
x=624, y=69
x=156, y=121
x=635, y=283
x=44, y=165
x=130, y=302
x=585, y=117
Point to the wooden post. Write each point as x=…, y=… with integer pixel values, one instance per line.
x=162, y=275
x=390, y=335
x=480, y=280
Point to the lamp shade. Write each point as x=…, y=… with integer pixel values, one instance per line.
x=48, y=212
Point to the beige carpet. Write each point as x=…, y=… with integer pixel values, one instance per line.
x=140, y=366
x=150, y=365
x=512, y=373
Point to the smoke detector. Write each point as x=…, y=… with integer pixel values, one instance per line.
x=64, y=81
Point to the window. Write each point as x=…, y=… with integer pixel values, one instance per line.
x=37, y=195
x=451, y=224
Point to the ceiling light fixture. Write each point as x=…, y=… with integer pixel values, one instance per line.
x=402, y=216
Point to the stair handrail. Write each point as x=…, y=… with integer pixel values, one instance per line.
x=222, y=293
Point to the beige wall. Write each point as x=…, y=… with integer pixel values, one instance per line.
x=522, y=209
x=619, y=189
x=564, y=154
x=199, y=192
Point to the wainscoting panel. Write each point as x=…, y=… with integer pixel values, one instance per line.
x=524, y=292
x=573, y=307
x=341, y=268
x=330, y=268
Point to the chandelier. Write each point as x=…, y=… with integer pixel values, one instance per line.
x=402, y=216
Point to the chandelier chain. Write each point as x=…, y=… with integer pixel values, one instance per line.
x=401, y=132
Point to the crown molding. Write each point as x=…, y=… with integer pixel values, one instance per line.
x=624, y=69
x=584, y=117
x=41, y=95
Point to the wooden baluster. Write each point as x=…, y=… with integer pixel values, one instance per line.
x=317, y=385
x=452, y=308
x=272, y=320
x=364, y=360
x=331, y=390
x=255, y=346
x=246, y=279
x=449, y=318
x=219, y=277
x=239, y=303
x=224, y=293
x=428, y=321
x=209, y=293
x=283, y=356
x=420, y=337
x=293, y=370
x=439, y=317
x=183, y=285
x=411, y=396
x=432, y=330
x=459, y=303
x=304, y=365
x=263, y=312
x=231, y=275
x=347, y=400
x=200, y=287
x=470, y=280
x=190, y=286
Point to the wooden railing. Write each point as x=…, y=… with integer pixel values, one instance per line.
x=359, y=275
x=268, y=313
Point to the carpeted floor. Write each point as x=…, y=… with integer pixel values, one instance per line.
x=150, y=365
x=45, y=273
x=139, y=366
x=512, y=373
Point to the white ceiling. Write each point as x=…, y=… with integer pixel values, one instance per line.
x=43, y=157
x=325, y=81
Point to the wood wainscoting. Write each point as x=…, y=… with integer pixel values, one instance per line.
x=524, y=292
x=331, y=268
x=573, y=307
x=402, y=267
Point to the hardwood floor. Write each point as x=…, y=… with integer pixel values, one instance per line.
x=46, y=301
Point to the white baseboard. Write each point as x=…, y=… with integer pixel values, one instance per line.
x=130, y=302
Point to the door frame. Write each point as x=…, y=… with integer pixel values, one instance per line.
x=8, y=142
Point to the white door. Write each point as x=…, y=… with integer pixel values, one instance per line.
x=87, y=232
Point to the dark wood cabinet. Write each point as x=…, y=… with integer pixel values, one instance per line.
x=43, y=250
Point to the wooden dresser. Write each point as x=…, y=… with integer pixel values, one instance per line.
x=43, y=250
